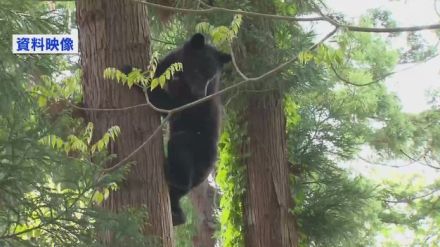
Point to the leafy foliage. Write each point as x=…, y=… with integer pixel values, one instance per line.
x=144, y=79
x=221, y=36
x=82, y=144
x=418, y=51
x=230, y=179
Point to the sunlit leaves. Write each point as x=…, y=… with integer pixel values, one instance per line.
x=82, y=144
x=50, y=89
x=143, y=78
x=204, y=27
x=75, y=144
x=42, y=101
x=328, y=55
x=121, y=77
x=360, y=76
x=53, y=141
x=291, y=110
x=235, y=25
x=230, y=179
x=221, y=36
x=98, y=196
x=165, y=76
x=110, y=135
x=88, y=133
x=304, y=57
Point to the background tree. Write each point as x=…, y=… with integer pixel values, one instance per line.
x=114, y=34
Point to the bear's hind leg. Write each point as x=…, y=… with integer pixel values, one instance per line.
x=176, y=211
x=179, y=171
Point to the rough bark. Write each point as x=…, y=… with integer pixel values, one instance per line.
x=114, y=33
x=267, y=199
x=268, y=221
x=202, y=198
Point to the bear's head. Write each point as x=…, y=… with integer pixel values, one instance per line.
x=202, y=65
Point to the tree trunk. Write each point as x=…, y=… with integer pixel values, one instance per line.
x=268, y=221
x=114, y=33
x=267, y=199
x=202, y=198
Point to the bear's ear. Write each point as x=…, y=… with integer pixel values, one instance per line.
x=224, y=58
x=197, y=41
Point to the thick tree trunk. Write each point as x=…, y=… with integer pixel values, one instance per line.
x=202, y=198
x=114, y=33
x=267, y=199
x=268, y=221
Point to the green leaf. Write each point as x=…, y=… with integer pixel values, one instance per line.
x=106, y=193
x=220, y=34
x=305, y=56
x=114, y=131
x=162, y=80
x=154, y=83
x=98, y=197
x=88, y=133
x=42, y=101
x=204, y=27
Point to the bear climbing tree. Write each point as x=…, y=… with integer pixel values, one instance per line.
x=192, y=147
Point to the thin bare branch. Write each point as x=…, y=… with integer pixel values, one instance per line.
x=234, y=62
x=225, y=10
x=384, y=164
x=390, y=30
x=322, y=17
x=163, y=41
x=340, y=77
x=418, y=160
x=124, y=160
x=374, y=29
x=153, y=106
x=107, y=109
x=415, y=197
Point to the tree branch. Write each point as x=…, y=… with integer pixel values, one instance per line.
x=234, y=62
x=384, y=164
x=374, y=29
x=225, y=10
x=163, y=41
x=122, y=162
x=413, y=198
x=107, y=109
x=388, y=30
x=392, y=29
x=323, y=17
x=418, y=160
x=340, y=77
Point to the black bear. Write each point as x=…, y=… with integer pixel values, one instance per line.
x=192, y=146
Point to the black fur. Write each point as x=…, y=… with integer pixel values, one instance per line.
x=192, y=147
